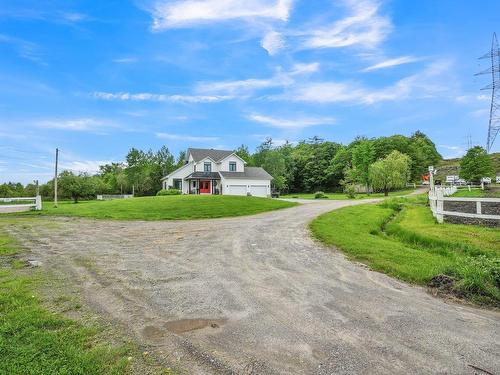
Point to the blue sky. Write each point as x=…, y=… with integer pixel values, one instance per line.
x=96, y=78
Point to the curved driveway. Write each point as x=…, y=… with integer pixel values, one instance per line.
x=256, y=295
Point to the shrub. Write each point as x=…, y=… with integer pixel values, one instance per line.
x=320, y=195
x=350, y=191
x=169, y=192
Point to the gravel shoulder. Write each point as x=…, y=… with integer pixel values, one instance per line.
x=257, y=295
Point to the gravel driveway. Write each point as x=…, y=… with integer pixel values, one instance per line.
x=256, y=295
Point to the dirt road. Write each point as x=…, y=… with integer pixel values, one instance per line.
x=256, y=295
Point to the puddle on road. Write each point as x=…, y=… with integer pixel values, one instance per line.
x=153, y=333
x=186, y=325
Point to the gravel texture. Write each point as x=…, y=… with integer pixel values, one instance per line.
x=256, y=295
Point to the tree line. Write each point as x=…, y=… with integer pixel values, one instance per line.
x=316, y=164
x=381, y=163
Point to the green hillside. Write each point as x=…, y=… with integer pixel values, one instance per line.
x=447, y=167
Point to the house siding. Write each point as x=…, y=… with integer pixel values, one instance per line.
x=179, y=174
x=224, y=165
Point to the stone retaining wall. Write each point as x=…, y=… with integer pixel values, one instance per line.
x=487, y=208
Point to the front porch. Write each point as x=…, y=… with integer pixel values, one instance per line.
x=207, y=183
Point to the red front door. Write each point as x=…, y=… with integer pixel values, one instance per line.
x=205, y=187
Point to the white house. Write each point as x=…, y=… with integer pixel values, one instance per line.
x=209, y=171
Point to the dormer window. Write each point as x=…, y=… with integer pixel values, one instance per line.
x=207, y=166
x=232, y=166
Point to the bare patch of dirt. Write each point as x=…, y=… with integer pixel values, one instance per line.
x=443, y=283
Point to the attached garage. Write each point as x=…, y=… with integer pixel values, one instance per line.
x=258, y=190
x=254, y=181
x=235, y=190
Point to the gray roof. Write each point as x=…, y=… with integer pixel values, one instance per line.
x=202, y=153
x=208, y=175
x=253, y=173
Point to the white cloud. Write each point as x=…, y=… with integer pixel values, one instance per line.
x=83, y=166
x=391, y=62
x=451, y=152
x=25, y=49
x=187, y=138
x=422, y=84
x=483, y=112
x=472, y=98
x=248, y=86
x=73, y=17
x=80, y=124
x=125, y=60
x=241, y=87
x=145, y=96
x=276, y=141
x=298, y=123
x=184, y=13
x=364, y=26
x=273, y=42
x=298, y=69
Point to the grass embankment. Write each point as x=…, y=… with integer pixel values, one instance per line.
x=402, y=239
x=477, y=193
x=343, y=196
x=167, y=207
x=34, y=340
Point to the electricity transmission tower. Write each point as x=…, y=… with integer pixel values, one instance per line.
x=494, y=70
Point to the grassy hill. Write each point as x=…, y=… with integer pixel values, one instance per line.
x=449, y=167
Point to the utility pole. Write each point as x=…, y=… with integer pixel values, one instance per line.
x=55, y=179
x=37, y=187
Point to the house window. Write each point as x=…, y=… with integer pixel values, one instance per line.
x=178, y=183
x=232, y=166
x=207, y=167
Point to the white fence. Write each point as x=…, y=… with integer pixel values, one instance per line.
x=104, y=197
x=26, y=204
x=442, y=194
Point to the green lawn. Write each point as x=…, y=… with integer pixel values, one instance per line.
x=166, y=207
x=403, y=240
x=343, y=196
x=477, y=193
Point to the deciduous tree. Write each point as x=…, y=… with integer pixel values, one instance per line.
x=476, y=164
x=390, y=173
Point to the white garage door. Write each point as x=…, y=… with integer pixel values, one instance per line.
x=258, y=190
x=236, y=190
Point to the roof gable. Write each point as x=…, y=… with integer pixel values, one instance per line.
x=253, y=173
x=235, y=155
x=199, y=154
